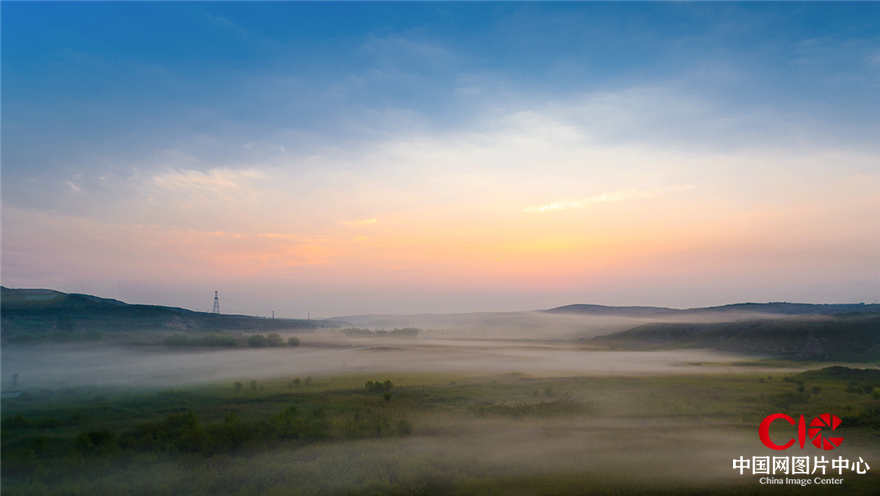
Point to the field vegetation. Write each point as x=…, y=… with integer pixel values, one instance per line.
x=423, y=434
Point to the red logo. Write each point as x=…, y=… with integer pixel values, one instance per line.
x=813, y=432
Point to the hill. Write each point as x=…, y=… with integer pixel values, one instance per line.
x=849, y=337
x=771, y=308
x=31, y=313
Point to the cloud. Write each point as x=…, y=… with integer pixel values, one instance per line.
x=213, y=180
x=73, y=186
x=608, y=197
x=361, y=222
x=397, y=49
x=273, y=235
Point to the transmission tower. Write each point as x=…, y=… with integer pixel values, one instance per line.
x=216, y=303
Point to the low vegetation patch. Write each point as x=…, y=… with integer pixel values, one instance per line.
x=191, y=340
x=406, y=332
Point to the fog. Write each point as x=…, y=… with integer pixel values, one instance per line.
x=613, y=432
x=537, y=325
x=603, y=456
x=533, y=343
x=331, y=353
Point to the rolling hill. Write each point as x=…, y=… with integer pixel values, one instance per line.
x=845, y=337
x=34, y=312
x=771, y=308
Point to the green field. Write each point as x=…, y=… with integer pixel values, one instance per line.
x=426, y=434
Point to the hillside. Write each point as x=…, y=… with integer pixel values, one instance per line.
x=31, y=313
x=854, y=337
x=771, y=308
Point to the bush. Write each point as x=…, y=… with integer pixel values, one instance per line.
x=96, y=442
x=275, y=339
x=258, y=341
x=211, y=340
x=228, y=436
x=378, y=386
x=176, y=340
x=293, y=341
x=16, y=422
x=291, y=424
x=179, y=432
x=404, y=428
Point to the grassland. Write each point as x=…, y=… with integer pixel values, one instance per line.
x=424, y=434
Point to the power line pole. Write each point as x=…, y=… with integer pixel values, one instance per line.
x=216, y=303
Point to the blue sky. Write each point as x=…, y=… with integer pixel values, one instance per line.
x=109, y=107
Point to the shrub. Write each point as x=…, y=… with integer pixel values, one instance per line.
x=274, y=339
x=96, y=442
x=176, y=340
x=404, y=428
x=178, y=432
x=378, y=387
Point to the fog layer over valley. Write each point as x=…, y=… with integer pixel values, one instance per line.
x=538, y=343
x=501, y=403
x=533, y=343
x=552, y=324
x=71, y=365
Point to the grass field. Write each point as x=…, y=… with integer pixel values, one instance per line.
x=425, y=434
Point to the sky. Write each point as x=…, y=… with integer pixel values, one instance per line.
x=339, y=159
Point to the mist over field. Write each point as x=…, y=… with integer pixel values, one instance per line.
x=549, y=325
x=439, y=248
x=458, y=415
x=73, y=365
x=517, y=402
x=533, y=343
x=629, y=400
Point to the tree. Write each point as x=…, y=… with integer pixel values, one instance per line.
x=274, y=339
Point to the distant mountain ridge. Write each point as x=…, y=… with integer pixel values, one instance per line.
x=42, y=311
x=847, y=337
x=771, y=308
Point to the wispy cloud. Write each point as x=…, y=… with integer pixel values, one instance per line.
x=608, y=197
x=213, y=180
x=273, y=235
x=360, y=222
x=399, y=48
